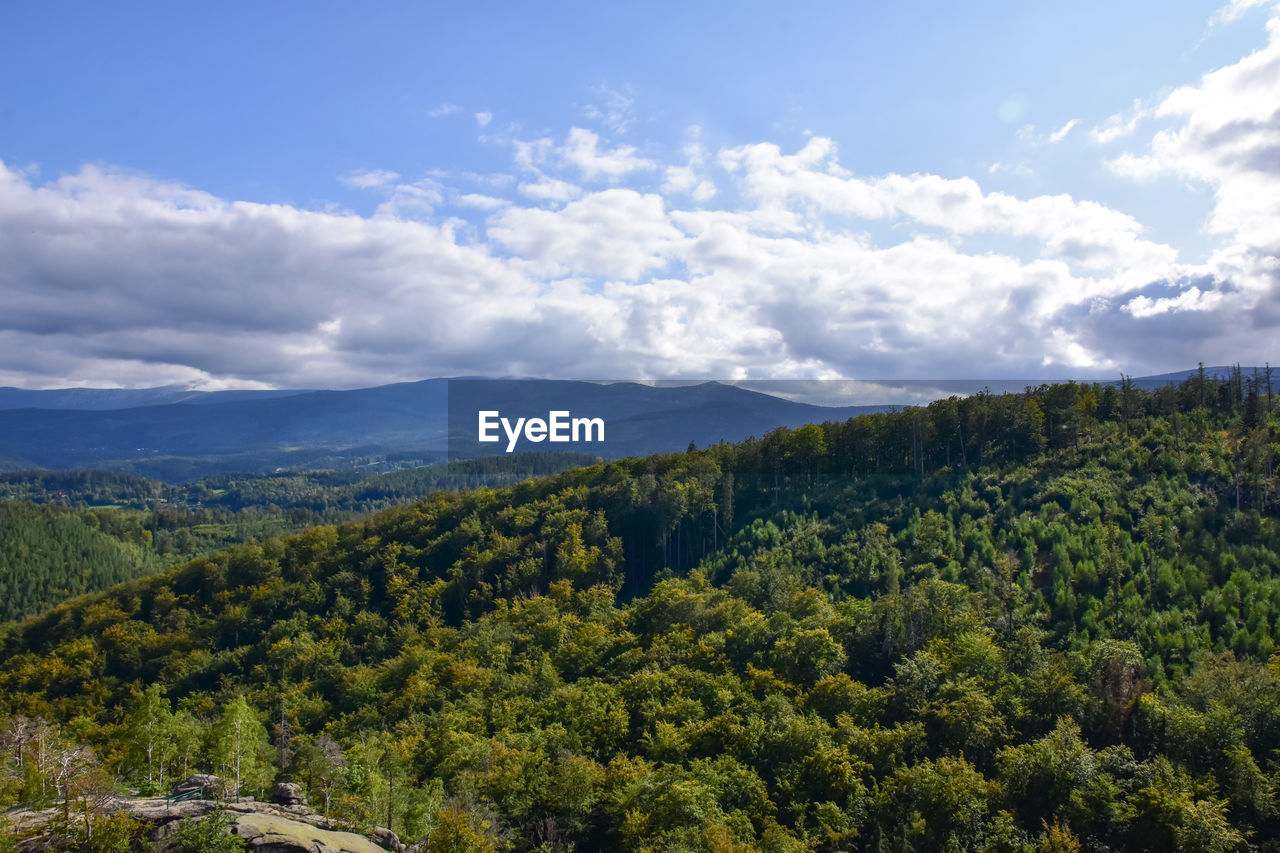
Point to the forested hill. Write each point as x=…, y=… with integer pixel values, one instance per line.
x=1036, y=621
x=48, y=554
x=68, y=533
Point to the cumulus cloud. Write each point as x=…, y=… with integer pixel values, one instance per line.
x=1226, y=135
x=684, y=180
x=616, y=233
x=483, y=118
x=111, y=276
x=1082, y=233
x=117, y=277
x=549, y=189
x=1191, y=299
x=690, y=179
x=582, y=151
x=748, y=261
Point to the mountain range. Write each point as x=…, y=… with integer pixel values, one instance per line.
x=177, y=434
x=390, y=425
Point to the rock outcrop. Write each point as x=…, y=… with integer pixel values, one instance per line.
x=266, y=828
x=267, y=833
x=288, y=794
x=386, y=839
x=210, y=786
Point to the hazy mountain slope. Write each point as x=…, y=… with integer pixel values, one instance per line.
x=1180, y=376
x=333, y=428
x=98, y=399
x=261, y=431
x=640, y=419
x=194, y=434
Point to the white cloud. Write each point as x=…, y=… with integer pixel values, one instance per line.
x=1061, y=133
x=679, y=180
x=531, y=154
x=479, y=201
x=617, y=233
x=1118, y=126
x=1234, y=11
x=404, y=199
x=1020, y=169
x=411, y=200
x=367, y=179
x=1131, y=166
x=1227, y=136
x=1191, y=299
x=582, y=151
x=550, y=189
x=158, y=282
x=443, y=110
x=614, y=108
x=483, y=118
x=683, y=180
x=704, y=191
x=163, y=282
x=1083, y=233
x=1224, y=134
x=690, y=179
x=752, y=260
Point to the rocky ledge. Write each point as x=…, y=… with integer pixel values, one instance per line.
x=284, y=826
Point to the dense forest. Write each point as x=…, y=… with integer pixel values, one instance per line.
x=48, y=554
x=316, y=491
x=1039, y=621
x=64, y=533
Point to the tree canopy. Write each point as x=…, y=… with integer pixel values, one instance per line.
x=1034, y=621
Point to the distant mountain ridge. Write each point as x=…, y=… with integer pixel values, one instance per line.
x=105, y=399
x=318, y=429
x=99, y=399
x=180, y=440
x=641, y=419
x=1179, y=376
x=176, y=434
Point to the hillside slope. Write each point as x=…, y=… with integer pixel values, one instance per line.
x=995, y=623
x=48, y=554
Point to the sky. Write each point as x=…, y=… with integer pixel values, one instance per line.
x=249, y=195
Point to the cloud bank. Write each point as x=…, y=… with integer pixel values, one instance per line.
x=605, y=259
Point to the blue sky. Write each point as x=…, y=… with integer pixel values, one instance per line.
x=241, y=194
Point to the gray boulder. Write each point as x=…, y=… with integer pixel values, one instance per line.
x=288, y=794
x=386, y=839
x=210, y=784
